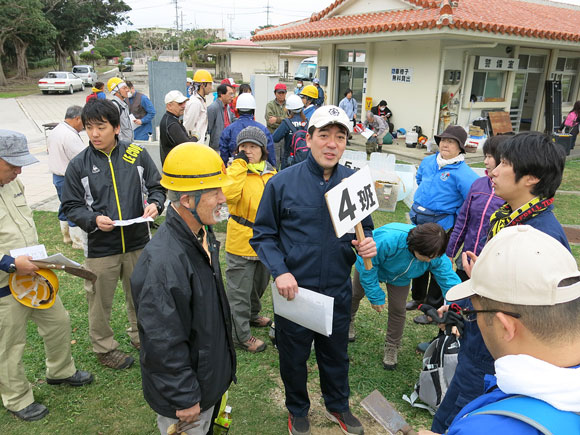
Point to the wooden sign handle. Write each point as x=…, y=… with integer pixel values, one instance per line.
x=360, y=236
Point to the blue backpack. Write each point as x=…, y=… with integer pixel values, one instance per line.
x=298, y=148
x=540, y=415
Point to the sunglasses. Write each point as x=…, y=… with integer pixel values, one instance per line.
x=280, y=92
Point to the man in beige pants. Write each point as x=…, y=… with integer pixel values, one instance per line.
x=17, y=230
x=111, y=181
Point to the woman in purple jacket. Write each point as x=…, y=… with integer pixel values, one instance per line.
x=472, y=223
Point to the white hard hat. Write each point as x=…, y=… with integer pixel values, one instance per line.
x=294, y=102
x=246, y=101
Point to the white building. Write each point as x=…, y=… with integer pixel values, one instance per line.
x=242, y=58
x=416, y=53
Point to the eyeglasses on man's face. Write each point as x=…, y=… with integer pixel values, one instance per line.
x=471, y=315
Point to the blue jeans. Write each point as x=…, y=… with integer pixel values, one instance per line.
x=58, y=181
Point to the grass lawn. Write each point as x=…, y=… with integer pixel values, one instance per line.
x=114, y=402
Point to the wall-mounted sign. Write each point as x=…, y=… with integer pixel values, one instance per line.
x=498, y=63
x=401, y=75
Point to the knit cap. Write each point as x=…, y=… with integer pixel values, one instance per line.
x=252, y=134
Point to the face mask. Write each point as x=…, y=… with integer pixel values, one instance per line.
x=129, y=94
x=299, y=85
x=222, y=214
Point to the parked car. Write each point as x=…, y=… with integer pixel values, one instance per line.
x=85, y=72
x=126, y=65
x=61, y=81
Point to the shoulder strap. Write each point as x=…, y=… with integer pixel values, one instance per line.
x=121, y=108
x=540, y=415
x=290, y=125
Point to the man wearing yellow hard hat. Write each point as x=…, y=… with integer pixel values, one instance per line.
x=31, y=294
x=195, y=115
x=120, y=97
x=187, y=353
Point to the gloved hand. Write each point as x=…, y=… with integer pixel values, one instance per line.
x=242, y=155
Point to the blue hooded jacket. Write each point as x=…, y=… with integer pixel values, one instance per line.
x=395, y=264
x=443, y=190
x=228, y=137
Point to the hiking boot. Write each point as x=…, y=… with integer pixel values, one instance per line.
x=261, y=322
x=412, y=305
x=298, y=425
x=79, y=379
x=348, y=423
x=34, y=411
x=390, y=357
x=351, y=332
x=253, y=345
x=115, y=359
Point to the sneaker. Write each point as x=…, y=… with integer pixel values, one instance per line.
x=348, y=423
x=34, y=411
x=422, y=347
x=390, y=357
x=253, y=345
x=115, y=359
x=261, y=322
x=422, y=320
x=351, y=332
x=298, y=425
x=79, y=379
x=412, y=305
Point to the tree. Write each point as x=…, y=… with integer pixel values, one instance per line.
x=21, y=21
x=76, y=19
x=91, y=56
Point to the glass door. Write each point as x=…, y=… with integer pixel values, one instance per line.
x=350, y=75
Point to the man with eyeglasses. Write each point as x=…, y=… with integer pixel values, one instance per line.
x=529, y=321
x=275, y=114
x=529, y=173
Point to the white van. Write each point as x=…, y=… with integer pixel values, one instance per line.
x=86, y=73
x=307, y=69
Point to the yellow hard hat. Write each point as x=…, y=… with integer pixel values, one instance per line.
x=113, y=84
x=202, y=76
x=310, y=91
x=35, y=291
x=191, y=166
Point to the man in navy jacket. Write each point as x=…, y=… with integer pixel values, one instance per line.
x=295, y=239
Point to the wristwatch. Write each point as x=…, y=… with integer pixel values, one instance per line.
x=12, y=268
x=159, y=208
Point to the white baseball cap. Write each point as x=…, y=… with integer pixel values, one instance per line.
x=176, y=96
x=522, y=266
x=330, y=114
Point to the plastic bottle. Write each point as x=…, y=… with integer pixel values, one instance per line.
x=223, y=421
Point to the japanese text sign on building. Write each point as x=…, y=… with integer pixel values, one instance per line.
x=352, y=201
x=498, y=63
x=401, y=75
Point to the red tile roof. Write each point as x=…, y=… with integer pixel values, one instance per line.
x=506, y=17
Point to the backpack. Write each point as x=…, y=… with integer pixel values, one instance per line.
x=298, y=148
x=91, y=96
x=540, y=415
x=439, y=364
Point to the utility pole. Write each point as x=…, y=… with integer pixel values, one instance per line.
x=177, y=26
x=268, y=13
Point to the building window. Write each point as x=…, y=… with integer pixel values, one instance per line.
x=488, y=85
x=567, y=73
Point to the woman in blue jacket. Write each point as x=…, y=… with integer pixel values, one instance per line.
x=404, y=252
x=444, y=180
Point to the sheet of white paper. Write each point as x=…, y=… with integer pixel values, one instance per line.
x=132, y=221
x=60, y=259
x=37, y=252
x=367, y=133
x=309, y=309
x=132, y=118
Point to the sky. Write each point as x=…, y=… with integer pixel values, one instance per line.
x=239, y=16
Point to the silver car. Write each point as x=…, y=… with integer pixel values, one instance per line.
x=61, y=81
x=85, y=72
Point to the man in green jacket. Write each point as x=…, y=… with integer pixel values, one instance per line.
x=275, y=114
